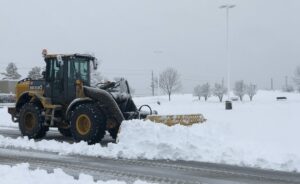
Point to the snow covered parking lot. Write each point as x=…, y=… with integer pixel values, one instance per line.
x=262, y=133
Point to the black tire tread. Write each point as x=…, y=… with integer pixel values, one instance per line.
x=98, y=121
x=40, y=130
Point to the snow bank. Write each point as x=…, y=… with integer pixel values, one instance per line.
x=22, y=174
x=5, y=118
x=209, y=142
x=263, y=133
x=147, y=140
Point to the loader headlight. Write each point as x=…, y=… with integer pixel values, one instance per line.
x=44, y=52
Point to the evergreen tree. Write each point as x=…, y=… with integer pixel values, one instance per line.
x=35, y=73
x=11, y=72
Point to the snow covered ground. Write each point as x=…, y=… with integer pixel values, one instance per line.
x=262, y=133
x=22, y=174
x=5, y=118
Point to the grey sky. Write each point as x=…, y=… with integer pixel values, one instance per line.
x=133, y=37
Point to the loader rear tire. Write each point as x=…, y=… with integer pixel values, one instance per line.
x=65, y=132
x=88, y=123
x=31, y=121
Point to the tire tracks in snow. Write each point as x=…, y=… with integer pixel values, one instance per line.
x=159, y=171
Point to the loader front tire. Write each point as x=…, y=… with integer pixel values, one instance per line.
x=114, y=132
x=31, y=121
x=88, y=124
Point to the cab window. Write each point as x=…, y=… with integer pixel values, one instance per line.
x=79, y=69
x=54, y=71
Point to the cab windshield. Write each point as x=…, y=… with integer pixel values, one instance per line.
x=79, y=69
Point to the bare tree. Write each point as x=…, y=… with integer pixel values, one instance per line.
x=288, y=88
x=251, y=91
x=197, y=91
x=219, y=91
x=205, y=90
x=11, y=72
x=169, y=81
x=297, y=78
x=132, y=90
x=35, y=73
x=202, y=91
x=96, y=77
x=240, y=89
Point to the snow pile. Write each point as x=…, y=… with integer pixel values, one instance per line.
x=209, y=142
x=22, y=174
x=5, y=120
x=147, y=140
x=263, y=133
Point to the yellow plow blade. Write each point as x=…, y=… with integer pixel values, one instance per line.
x=171, y=120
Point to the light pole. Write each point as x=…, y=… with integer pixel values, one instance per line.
x=228, y=104
x=158, y=54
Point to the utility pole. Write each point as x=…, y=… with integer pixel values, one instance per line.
x=158, y=85
x=227, y=7
x=152, y=83
x=223, y=82
x=157, y=52
x=286, y=82
x=272, y=84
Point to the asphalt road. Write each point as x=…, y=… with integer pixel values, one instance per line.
x=159, y=171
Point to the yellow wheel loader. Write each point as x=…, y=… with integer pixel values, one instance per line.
x=64, y=98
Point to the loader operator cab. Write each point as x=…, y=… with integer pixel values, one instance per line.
x=62, y=72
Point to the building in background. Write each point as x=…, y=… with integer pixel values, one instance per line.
x=8, y=86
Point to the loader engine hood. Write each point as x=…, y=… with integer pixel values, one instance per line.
x=28, y=84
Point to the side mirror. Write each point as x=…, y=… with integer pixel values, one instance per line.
x=59, y=61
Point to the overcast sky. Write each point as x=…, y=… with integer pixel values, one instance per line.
x=134, y=37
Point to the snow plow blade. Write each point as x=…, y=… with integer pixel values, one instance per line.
x=171, y=120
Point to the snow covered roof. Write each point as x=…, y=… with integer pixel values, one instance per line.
x=69, y=55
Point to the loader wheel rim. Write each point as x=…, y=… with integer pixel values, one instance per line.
x=30, y=121
x=83, y=124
